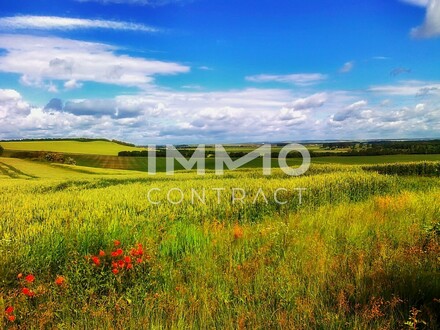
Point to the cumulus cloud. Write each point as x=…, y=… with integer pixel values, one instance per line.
x=72, y=84
x=39, y=59
x=54, y=104
x=254, y=114
x=347, y=67
x=299, y=79
x=431, y=26
x=353, y=110
x=67, y=23
x=12, y=104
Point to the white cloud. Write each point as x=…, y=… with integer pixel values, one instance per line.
x=353, y=110
x=408, y=88
x=48, y=58
x=431, y=26
x=421, y=3
x=347, y=67
x=72, y=84
x=299, y=79
x=67, y=23
x=12, y=104
x=167, y=116
x=205, y=68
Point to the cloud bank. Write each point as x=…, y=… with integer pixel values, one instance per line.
x=253, y=114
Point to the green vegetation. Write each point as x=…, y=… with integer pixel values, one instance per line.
x=141, y=163
x=360, y=251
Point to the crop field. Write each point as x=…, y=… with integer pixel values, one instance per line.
x=352, y=247
x=73, y=147
x=141, y=163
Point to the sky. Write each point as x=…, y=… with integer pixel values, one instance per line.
x=220, y=71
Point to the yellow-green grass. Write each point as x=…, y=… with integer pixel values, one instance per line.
x=73, y=147
x=358, y=253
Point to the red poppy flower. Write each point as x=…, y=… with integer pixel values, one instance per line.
x=114, y=264
x=60, y=280
x=121, y=263
x=9, y=310
x=101, y=253
x=96, y=260
x=116, y=242
x=139, y=260
x=117, y=253
x=115, y=271
x=130, y=266
x=11, y=318
x=30, y=278
x=27, y=292
x=127, y=259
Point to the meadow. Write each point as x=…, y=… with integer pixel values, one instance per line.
x=84, y=248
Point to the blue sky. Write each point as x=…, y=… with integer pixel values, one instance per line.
x=168, y=71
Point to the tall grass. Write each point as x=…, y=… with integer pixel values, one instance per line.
x=359, y=252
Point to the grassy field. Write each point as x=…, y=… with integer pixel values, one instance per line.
x=71, y=147
x=361, y=250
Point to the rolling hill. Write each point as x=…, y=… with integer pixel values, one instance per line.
x=89, y=147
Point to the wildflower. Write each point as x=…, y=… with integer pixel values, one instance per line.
x=27, y=292
x=130, y=266
x=115, y=271
x=139, y=260
x=96, y=261
x=114, y=264
x=116, y=242
x=19, y=275
x=9, y=310
x=121, y=263
x=117, y=253
x=137, y=252
x=60, y=280
x=238, y=232
x=30, y=278
x=101, y=253
x=140, y=250
x=11, y=318
x=127, y=259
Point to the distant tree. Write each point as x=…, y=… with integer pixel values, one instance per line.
x=1, y=150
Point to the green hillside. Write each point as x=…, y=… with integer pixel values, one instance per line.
x=107, y=148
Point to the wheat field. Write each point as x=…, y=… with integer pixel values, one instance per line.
x=85, y=248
